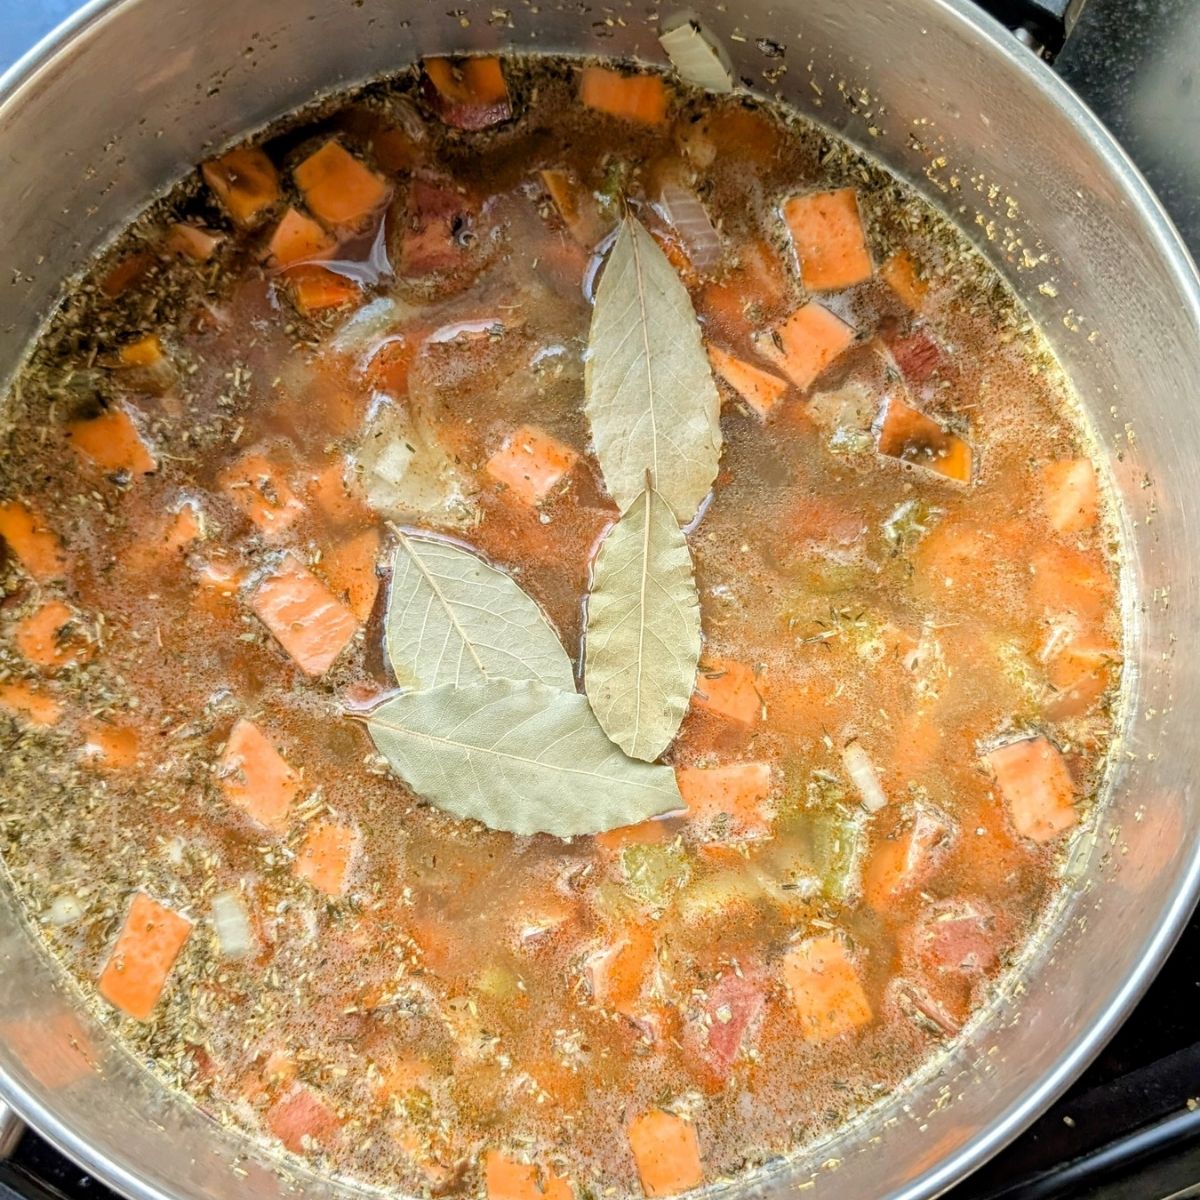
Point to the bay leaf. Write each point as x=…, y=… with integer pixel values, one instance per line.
x=519, y=756
x=452, y=619
x=643, y=629
x=649, y=390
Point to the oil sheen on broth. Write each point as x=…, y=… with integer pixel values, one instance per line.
x=903, y=553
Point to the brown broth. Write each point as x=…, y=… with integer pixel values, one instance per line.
x=441, y=1007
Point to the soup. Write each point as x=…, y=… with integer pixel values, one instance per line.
x=371, y=343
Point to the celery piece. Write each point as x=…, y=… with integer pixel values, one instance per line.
x=654, y=873
x=837, y=839
x=909, y=523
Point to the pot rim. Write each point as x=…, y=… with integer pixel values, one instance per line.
x=40, y=60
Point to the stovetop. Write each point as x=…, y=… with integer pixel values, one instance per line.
x=1129, y=1129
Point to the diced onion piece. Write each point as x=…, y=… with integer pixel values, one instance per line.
x=65, y=909
x=686, y=215
x=696, y=54
x=232, y=925
x=862, y=774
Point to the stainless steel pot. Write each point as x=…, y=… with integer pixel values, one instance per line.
x=122, y=101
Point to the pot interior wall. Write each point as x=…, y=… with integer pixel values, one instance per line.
x=150, y=86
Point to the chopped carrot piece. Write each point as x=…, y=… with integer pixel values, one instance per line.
x=1080, y=672
x=141, y=960
x=467, y=93
x=577, y=207
x=754, y=291
x=112, y=747
x=830, y=243
x=339, y=189
x=914, y=438
x=760, y=389
x=901, y=864
x=300, y=1119
x=256, y=778
x=30, y=703
x=324, y=856
x=223, y=578
x=1067, y=580
x=825, y=989
x=244, y=181
x=640, y=98
x=390, y=365
x=257, y=487
x=349, y=568
x=126, y=273
x=314, y=289
x=736, y=792
x=34, y=543
x=146, y=351
x=112, y=442
x=900, y=274
x=193, y=241
x=51, y=637
x=334, y=494
x=184, y=528
x=667, y=1153
x=617, y=973
x=296, y=239
x=304, y=616
x=644, y=833
x=1070, y=494
x=806, y=343
x=727, y=688
x=506, y=1179
x=1034, y=781
x=530, y=463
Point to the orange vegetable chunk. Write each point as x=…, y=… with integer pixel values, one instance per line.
x=193, y=241
x=144, y=352
x=617, y=972
x=1034, y=781
x=1070, y=494
x=296, y=239
x=644, y=833
x=50, y=637
x=304, y=616
x=324, y=856
x=806, y=343
x=737, y=791
x=256, y=486
x=141, y=960
x=34, y=543
x=726, y=687
x=830, y=243
x=244, y=181
x=667, y=1153
x=1079, y=673
x=530, y=463
x=256, y=778
x=640, y=98
x=506, y=1179
x=825, y=988
x=349, y=569
x=28, y=702
x=468, y=93
x=300, y=1119
x=914, y=438
x=110, y=747
x=112, y=442
x=338, y=189
x=900, y=274
x=760, y=389
x=315, y=289
x=577, y=207
x=901, y=864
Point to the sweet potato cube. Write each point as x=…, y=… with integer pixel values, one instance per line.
x=256, y=778
x=737, y=791
x=667, y=1153
x=304, y=616
x=297, y=239
x=760, y=389
x=825, y=989
x=806, y=343
x=141, y=960
x=914, y=438
x=726, y=687
x=244, y=181
x=830, y=243
x=1070, y=495
x=1035, y=784
x=638, y=98
x=505, y=1178
x=530, y=463
x=325, y=855
x=112, y=442
x=34, y=543
x=338, y=189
